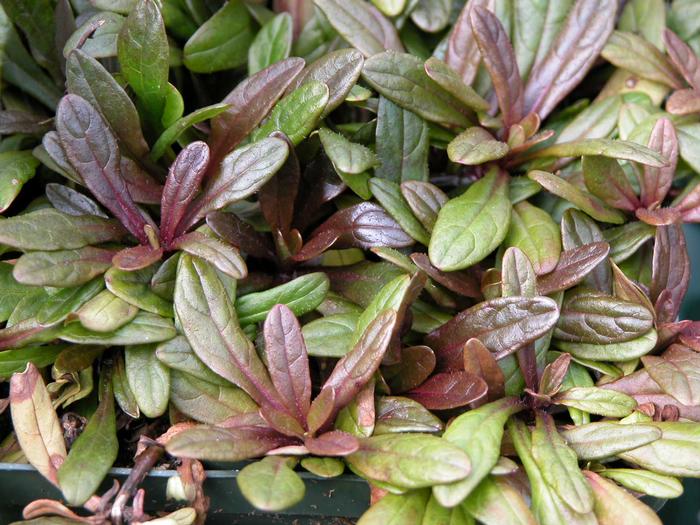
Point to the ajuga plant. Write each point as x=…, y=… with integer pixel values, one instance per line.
x=439, y=244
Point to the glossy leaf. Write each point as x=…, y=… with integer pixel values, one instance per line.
x=219, y=444
x=670, y=272
x=645, y=481
x=425, y=200
x=17, y=168
x=62, y=268
x=496, y=501
x=134, y=288
x=272, y=43
x=655, y=182
x=270, y=484
x=604, y=439
x=606, y=180
x=448, y=390
x=536, y=234
x=450, y=81
x=614, y=505
x=597, y=401
x=476, y=146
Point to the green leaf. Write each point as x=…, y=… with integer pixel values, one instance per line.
x=645, y=481
x=495, y=501
x=401, y=78
x=613, y=351
x=62, y=268
x=425, y=200
x=145, y=328
x=122, y=391
x=606, y=180
x=677, y=371
x=49, y=229
x=221, y=255
x=409, y=460
x=272, y=43
x=16, y=168
x=178, y=354
x=11, y=291
x=536, y=234
x=476, y=146
x=270, y=484
x=106, y=312
x=297, y=114
x=604, y=439
x=301, y=295
x=134, y=288
x=431, y=16
x=402, y=143
x=450, y=81
x=330, y=336
x=148, y=379
x=324, y=467
x=398, y=509
x=361, y=25
x=401, y=414
x=597, y=401
x=175, y=130
x=93, y=453
x=346, y=156
x=478, y=433
x=675, y=454
x=646, y=18
x=615, y=506
x=614, y=149
x=626, y=240
x=579, y=198
x=389, y=196
x=143, y=56
x=16, y=360
x=471, y=226
x=65, y=301
x=222, y=42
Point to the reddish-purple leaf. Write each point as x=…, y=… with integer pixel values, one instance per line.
x=92, y=149
x=282, y=421
x=301, y=11
x=670, y=272
x=334, y=443
x=527, y=363
x=287, y=360
x=664, y=401
x=365, y=225
x=462, y=282
x=448, y=390
x=656, y=182
x=250, y=101
x=578, y=44
x=684, y=102
x=683, y=57
x=573, y=266
x=554, y=374
x=658, y=216
x=353, y=371
x=143, y=188
x=670, y=332
x=499, y=58
x=321, y=184
x=480, y=362
x=690, y=335
x=181, y=186
x=137, y=258
x=240, y=234
x=503, y=325
x=414, y=367
x=677, y=371
x=606, y=180
x=277, y=196
x=462, y=52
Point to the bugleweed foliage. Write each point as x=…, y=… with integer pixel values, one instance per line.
x=439, y=244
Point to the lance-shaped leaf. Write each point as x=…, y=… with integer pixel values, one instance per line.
x=463, y=283
x=93, y=453
x=49, y=229
x=221, y=255
x=122, y=391
x=572, y=54
x=339, y=70
x=462, y=52
x=346, y=156
x=478, y=433
x=72, y=202
x=401, y=78
x=222, y=42
x=301, y=295
x=579, y=198
x=248, y=104
x=362, y=25
x=597, y=401
x=271, y=484
x=656, y=181
x=359, y=417
x=409, y=461
x=675, y=454
x=297, y=114
x=137, y=257
x=496, y=501
x=17, y=168
x=476, y=146
x=626, y=240
x=677, y=371
x=614, y=149
x=503, y=325
x=578, y=230
x=398, y=508
x=536, y=234
x=62, y=268
x=35, y=423
x=613, y=351
x=559, y=465
x=389, y=196
x=450, y=81
x=92, y=149
x=333, y=443
x=134, y=288
x=178, y=355
x=220, y=444
x=240, y=234
x=604, y=439
x=329, y=336
x=278, y=195
x=242, y=173
x=181, y=186
x=479, y=361
x=272, y=43
x=401, y=144
x=518, y=276
x=87, y=78
x=606, y=180
x=670, y=272
x=683, y=57
x=400, y=414
x=616, y=506
x=354, y=370
x=602, y=319
x=148, y=378
x=639, y=56
x=425, y=200
x=364, y=225
x=287, y=360
x=58, y=306
x=645, y=482
x=209, y=322
x=498, y=57
x=448, y=390
x=471, y=226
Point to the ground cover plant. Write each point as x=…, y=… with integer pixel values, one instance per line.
x=434, y=244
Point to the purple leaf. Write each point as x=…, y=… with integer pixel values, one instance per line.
x=137, y=258
x=656, y=182
x=670, y=272
x=462, y=282
x=462, y=53
x=480, y=362
x=414, y=367
x=277, y=196
x=573, y=266
x=448, y=390
x=334, y=443
x=92, y=150
x=683, y=57
x=240, y=234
